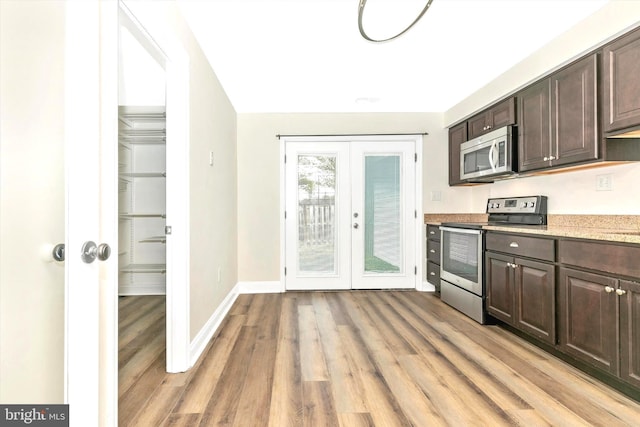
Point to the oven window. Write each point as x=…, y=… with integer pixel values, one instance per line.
x=460, y=254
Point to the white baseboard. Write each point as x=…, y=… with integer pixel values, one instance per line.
x=130, y=290
x=273, y=287
x=427, y=287
x=201, y=340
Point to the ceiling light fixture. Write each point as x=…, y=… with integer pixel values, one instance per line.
x=366, y=37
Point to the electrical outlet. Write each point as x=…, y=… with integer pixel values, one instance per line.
x=436, y=196
x=604, y=182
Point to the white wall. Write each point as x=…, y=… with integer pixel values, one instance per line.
x=141, y=80
x=571, y=192
x=32, y=210
x=259, y=169
x=213, y=196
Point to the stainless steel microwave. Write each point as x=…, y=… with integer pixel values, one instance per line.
x=490, y=156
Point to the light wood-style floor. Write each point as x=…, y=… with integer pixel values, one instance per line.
x=360, y=358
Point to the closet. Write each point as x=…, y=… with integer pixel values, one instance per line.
x=142, y=200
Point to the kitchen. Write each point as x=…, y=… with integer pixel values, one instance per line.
x=255, y=260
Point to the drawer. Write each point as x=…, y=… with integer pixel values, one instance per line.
x=433, y=251
x=433, y=232
x=617, y=259
x=516, y=244
x=433, y=273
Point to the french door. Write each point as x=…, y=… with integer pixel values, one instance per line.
x=350, y=214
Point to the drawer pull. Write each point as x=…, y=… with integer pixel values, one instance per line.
x=620, y=292
x=608, y=289
x=432, y=232
x=432, y=273
x=514, y=245
x=433, y=251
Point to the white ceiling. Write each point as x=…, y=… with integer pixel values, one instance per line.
x=308, y=56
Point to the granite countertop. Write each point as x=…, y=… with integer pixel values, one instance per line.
x=613, y=228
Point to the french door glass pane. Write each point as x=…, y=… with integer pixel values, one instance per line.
x=383, y=214
x=317, y=248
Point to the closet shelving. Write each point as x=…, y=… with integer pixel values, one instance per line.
x=142, y=200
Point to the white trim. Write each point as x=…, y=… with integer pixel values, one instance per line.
x=151, y=289
x=201, y=340
x=271, y=287
x=419, y=228
x=427, y=287
x=176, y=67
x=283, y=209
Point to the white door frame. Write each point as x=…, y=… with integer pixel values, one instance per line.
x=165, y=49
x=91, y=75
x=419, y=235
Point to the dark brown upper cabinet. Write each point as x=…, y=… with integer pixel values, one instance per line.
x=457, y=135
x=621, y=102
x=501, y=114
x=558, y=118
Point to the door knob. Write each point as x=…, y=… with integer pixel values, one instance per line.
x=91, y=251
x=58, y=252
x=355, y=225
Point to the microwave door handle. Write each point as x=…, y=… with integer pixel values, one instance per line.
x=492, y=151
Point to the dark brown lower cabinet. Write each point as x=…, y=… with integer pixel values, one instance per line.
x=630, y=332
x=536, y=299
x=521, y=292
x=501, y=299
x=588, y=321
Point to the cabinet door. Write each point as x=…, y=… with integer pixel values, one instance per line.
x=499, y=115
x=574, y=113
x=534, y=126
x=536, y=299
x=621, y=83
x=588, y=316
x=500, y=287
x=457, y=135
x=630, y=332
x=478, y=124
x=503, y=114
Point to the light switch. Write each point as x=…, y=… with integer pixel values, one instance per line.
x=210, y=158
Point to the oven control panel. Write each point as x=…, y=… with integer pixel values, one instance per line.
x=524, y=205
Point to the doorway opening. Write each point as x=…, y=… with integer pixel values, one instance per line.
x=142, y=208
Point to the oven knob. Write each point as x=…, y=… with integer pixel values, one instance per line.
x=532, y=204
x=524, y=205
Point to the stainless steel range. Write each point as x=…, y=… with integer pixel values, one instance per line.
x=462, y=283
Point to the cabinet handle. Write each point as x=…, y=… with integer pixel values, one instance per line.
x=432, y=273
x=432, y=232
x=620, y=292
x=552, y=157
x=514, y=245
x=608, y=289
x=545, y=158
x=433, y=251
x=514, y=265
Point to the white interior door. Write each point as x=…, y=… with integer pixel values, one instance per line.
x=350, y=214
x=91, y=212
